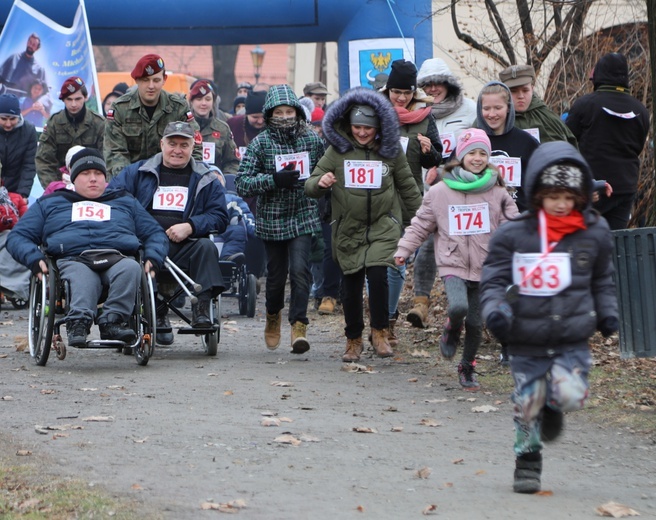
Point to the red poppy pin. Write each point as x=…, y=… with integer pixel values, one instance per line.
x=198, y=138
x=216, y=135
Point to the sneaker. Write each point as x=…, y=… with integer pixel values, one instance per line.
x=77, y=331
x=164, y=337
x=449, y=340
x=300, y=344
x=272, y=330
x=327, y=305
x=467, y=375
x=551, y=425
x=117, y=331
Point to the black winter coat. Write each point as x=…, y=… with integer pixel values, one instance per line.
x=17, y=152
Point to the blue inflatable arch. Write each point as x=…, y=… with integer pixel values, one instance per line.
x=369, y=33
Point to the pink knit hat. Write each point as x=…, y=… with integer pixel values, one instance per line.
x=471, y=139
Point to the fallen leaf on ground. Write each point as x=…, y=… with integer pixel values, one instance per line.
x=99, y=418
x=212, y=374
x=484, y=409
x=429, y=510
x=397, y=428
x=20, y=342
x=391, y=409
x=431, y=401
x=287, y=439
x=268, y=413
x=309, y=438
x=7, y=398
x=88, y=389
x=47, y=391
x=413, y=380
x=471, y=400
x=430, y=422
x=140, y=441
x=2, y=356
x=30, y=503
x=281, y=383
x=354, y=367
x=615, y=510
x=116, y=387
x=545, y=493
x=227, y=392
x=136, y=486
x=270, y=421
x=23, y=453
x=285, y=419
x=457, y=461
x=360, y=508
x=423, y=473
x=420, y=353
x=481, y=472
x=364, y=429
x=60, y=436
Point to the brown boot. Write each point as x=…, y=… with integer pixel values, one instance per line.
x=272, y=330
x=300, y=343
x=418, y=315
x=380, y=342
x=353, y=350
x=327, y=305
x=393, y=340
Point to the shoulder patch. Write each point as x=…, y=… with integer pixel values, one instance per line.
x=190, y=116
x=110, y=114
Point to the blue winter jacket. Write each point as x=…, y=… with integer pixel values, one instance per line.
x=49, y=223
x=206, y=205
x=240, y=229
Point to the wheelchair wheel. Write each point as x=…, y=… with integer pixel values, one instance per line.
x=146, y=306
x=211, y=341
x=18, y=303
x=251, y=295
x=243, y=291
x=42, y=316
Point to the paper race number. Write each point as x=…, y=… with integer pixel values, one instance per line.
x=89, y=210
x=300, y=160
x=170, y=198
x=510, y=169
x=448, y=139
x=209, y=152
x=363, y=174
x=539, y=275
x=471, y=219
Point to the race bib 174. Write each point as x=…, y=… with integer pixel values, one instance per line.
x=469, y=219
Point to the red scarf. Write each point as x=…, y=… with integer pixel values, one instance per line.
x=408, y=117
x=558, y=227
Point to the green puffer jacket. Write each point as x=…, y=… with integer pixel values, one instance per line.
x=366, y=222
x=551, y=127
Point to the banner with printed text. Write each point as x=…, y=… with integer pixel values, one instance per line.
x=37, y=55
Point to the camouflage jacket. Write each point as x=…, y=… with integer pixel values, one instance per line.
x=130, y=136
x=59, y=135
x=218, y=132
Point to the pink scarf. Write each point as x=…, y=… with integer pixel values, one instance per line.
x=408, y=117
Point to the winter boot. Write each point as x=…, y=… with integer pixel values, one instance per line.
x=300, y=344
x=449, y=339
x=200, y=311
x=164, y=332
x=272, y=330
x=393, y=340
x=418, y=315
x=467, y=375
x=380, y=341
x=327, y=305
x=353, y=350
x=551, y=425
x=77, y=331
x=113, y=328
x=528, y=469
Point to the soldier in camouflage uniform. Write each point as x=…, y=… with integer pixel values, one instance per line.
x=219, y=148
x=75, y=125
x=136, y=122
x=274, y=169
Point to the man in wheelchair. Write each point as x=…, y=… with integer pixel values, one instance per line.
x=188, y=202
x=93, y=234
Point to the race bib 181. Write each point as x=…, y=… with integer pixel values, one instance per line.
x=363, y=174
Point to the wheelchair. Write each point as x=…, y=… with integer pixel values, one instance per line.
x=173, y=282
x=242, y=284
x=49, y=299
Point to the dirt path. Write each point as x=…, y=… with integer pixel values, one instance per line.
x=187, y=429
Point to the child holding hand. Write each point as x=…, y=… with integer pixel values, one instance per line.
x=461, y=211
x=546, y=287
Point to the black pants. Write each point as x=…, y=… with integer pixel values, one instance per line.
x=353, y=285
x=616, y=209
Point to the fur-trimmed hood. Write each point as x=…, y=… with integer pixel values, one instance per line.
x=337, y=128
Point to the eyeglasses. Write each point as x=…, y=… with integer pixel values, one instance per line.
x=399, y=92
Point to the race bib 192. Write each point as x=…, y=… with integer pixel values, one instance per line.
x=170, y=198
x=90, y=210
x=469, y=219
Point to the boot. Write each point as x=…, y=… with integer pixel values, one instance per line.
x=272, y=330
x=327, y=305
x=418, y=315
x=77, y=331
x=528, y=468
x=393, y=340
x=449, y=339
x=300, y=343
x=551, y=425
x=164, y=335
x=353, y=350
x=117, y=330
x=200, y=311
x=380, y=342
x=467, y=375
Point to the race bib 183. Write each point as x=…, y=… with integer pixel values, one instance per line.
x=538, y=275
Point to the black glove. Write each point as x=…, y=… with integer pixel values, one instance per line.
x=287, y=177
x=608, y=325
x=36, y=268
x=499, y=322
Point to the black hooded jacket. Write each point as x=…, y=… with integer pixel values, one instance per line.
x=611, y=126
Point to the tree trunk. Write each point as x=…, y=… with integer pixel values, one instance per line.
x=224, y=58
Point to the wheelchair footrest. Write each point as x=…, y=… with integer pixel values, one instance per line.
x=198, y=330
x=105, y=343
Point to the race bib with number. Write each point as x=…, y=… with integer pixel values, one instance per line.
x=538, y=275
x=535, y=132
x=170, y=198
x=209, y=152
x=469, y=219
x=89, y=210
x=241, y=151
x=510, y=169
x=404, y=143
x=301, y=162
x=448, y=141
x=363, y=174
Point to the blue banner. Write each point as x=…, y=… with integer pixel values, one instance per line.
x=37, y=55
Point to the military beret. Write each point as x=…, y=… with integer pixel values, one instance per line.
x=201, y=88
x=71, y=86
x=147, y=66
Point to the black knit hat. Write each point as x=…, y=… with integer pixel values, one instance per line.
x=255, y=102
x=403, y=75
x=87, y=159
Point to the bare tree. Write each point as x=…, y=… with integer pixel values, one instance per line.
x=224, y=58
